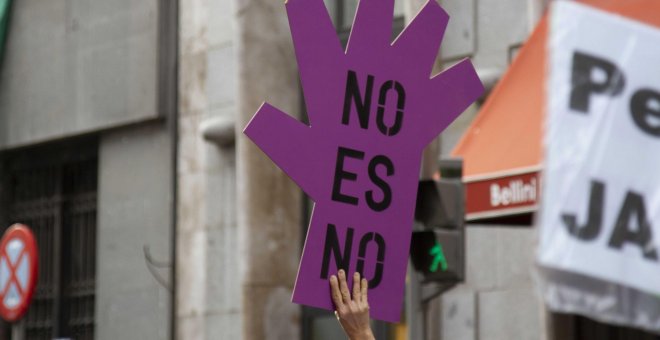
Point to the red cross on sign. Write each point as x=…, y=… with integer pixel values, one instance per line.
x=18, y=271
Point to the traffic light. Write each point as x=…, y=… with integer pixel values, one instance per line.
x=437, y=248
x=438, y=255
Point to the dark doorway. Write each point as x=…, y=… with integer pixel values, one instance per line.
x=577, y=327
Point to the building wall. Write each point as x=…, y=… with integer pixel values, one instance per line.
x=77, y=66
x=490, y=34
x=269, y=202
x=134, y=204
x=97, y=67
x=208, y=289
x=498, y=299
x=235, y=278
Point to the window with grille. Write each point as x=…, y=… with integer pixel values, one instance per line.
x=53, y=189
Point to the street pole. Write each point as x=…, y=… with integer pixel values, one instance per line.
x=414, y=312
x=18, y=330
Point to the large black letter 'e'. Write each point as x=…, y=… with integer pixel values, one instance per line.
x=644, y=113
x=340, y=175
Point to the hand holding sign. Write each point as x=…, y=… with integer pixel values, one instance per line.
x=372, y=110
x=352, y=309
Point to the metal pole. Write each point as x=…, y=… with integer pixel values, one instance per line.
x=414, y=313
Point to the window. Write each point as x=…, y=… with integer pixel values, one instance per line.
x=342, y=13
x=52, y=189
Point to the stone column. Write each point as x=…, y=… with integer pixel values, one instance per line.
x=269, y=203
x=535, y=10
x=208, y=268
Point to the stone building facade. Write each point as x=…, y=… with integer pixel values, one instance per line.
x=87, y=146
x=241, y=219
x=197, y=235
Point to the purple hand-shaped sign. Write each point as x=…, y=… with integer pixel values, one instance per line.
x=372, y=110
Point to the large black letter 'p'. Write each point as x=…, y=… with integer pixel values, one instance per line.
x=584, y=83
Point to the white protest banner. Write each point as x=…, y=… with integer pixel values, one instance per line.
x=601, y=200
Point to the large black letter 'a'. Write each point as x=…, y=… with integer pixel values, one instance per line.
x=633, y=206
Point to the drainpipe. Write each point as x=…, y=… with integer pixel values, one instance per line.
x=168, y=106
x=5, y=9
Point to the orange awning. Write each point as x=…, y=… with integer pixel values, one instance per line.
x=501, y=150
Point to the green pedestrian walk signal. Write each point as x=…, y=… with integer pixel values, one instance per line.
x=438, y=258
x=437, y=254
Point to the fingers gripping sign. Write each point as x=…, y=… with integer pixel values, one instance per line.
x=357, y=292
x=352, y=312
x=343, y=287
